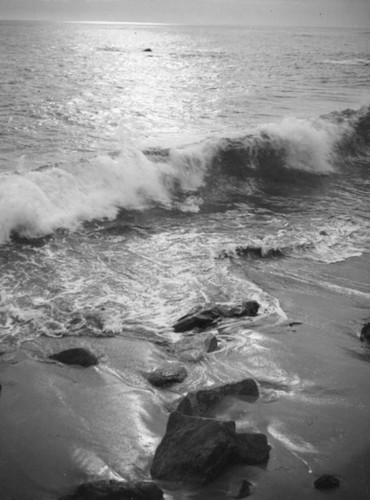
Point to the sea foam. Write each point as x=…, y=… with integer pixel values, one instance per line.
x=36, y=203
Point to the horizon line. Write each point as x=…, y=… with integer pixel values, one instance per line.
x=149, y=23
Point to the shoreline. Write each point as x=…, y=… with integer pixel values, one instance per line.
x=65, y=425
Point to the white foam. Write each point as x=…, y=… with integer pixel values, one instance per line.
x=308, y=145
x=36, y=203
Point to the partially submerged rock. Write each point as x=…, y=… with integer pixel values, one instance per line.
x=201, y=319
x=76, y=356
x=205, y=318
x=168, y=375
x=326, y=482
x=198, y=403
x=116, y=490
x=193, y=450
x=194, y=347
x=365, y=332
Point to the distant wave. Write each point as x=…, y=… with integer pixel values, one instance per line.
x=36, y=203
x=349, y=62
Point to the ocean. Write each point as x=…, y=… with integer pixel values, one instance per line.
x=146, y=170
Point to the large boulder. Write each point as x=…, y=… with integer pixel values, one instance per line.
x=365, y=332
x=200, y=402
x=76, y=356
x=168, y=375
x=194, y=450
x=194, y=347
x=205, y=318
x=116, y=490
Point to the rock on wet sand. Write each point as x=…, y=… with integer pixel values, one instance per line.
x=76, y=356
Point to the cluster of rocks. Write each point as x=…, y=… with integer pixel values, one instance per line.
x=196, y=447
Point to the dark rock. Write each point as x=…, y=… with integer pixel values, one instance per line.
x=193, y=450
x=166, y=376
x=205, y=318
x=244, y=490
x=365, y=332
x=326, y=482
x=198, y=403
x=147, y=50
x=252, y=448
x=295, y=323
x=116, y=490
x=76, y=356
x=200, y=319
x=194, y=347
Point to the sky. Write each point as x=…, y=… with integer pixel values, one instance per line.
x=342, y=13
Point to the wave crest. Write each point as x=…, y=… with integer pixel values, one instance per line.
x=36, y=203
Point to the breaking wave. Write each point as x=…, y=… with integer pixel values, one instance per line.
x=36, y=203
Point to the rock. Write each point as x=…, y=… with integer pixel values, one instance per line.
x=201, y=319
x=168, y=375
x=205, y=318
x=193, y=450
x=365, y=332
x=198, y=403
x=116, y=490
x=295, y=323
x=244, y=490
x=326, y=482
x=193, y=348
x=252, y=448
x=147, y=50
x=76, y=356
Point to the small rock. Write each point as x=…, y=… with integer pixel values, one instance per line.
x=365, y=332
x=295, y=323
x=76, y=356
x=116, y=490
x=252, y=448
x=326, y=482
x=166, y=376
x=244, y=490
x=198, y=403
x=147, y=50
